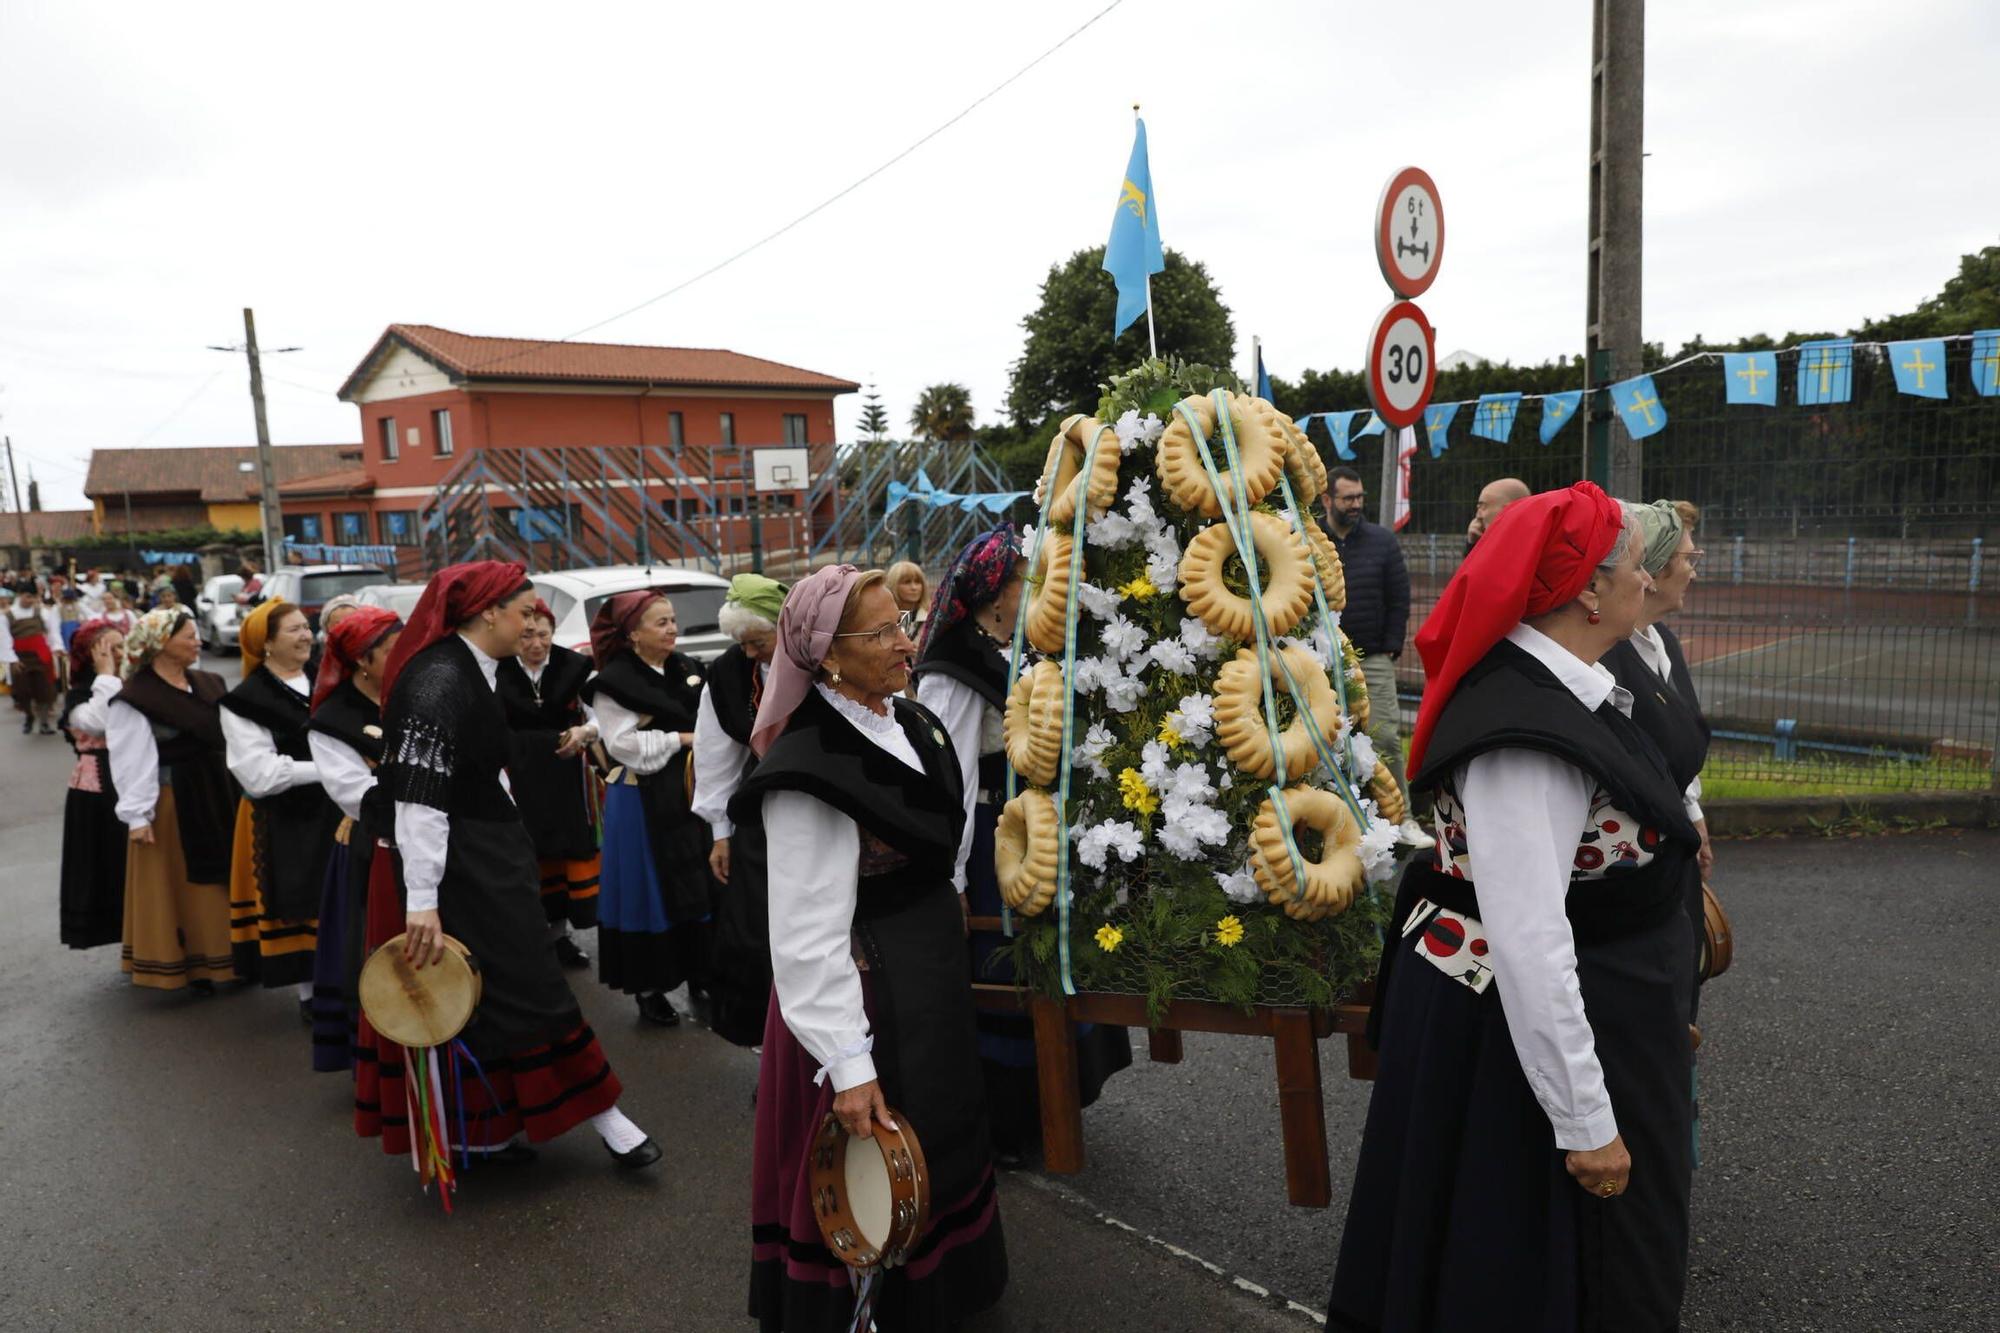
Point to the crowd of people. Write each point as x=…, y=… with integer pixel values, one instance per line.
x=800, y=833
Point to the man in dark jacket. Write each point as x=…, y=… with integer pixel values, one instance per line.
x=1376, y=619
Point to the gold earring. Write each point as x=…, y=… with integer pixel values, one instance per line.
x=834, y=679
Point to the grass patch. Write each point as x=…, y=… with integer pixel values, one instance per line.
x=1728, y=778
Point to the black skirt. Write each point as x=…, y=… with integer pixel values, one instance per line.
x=740, y=944
x=93, y=869
x=1463, y=1214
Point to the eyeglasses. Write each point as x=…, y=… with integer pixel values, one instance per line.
x=884, y=635
x=1694, y=557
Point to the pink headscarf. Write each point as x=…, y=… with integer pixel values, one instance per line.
x=806, y=626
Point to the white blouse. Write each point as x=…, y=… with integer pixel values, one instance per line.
x=253, y=753
x=342, y=771
x=815, y=854
x=964, y=715
x=91, y=715
x=1653, y=652
x=718, y=766
x=135, y=762
x=618, y=728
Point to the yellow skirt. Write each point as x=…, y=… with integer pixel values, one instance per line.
x=175, y=932
x=275, y=952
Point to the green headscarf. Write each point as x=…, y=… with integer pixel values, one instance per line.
x=759, y=595
x=1660, y=530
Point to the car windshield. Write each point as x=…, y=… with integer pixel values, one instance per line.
x=695, y=608
x=314, y=589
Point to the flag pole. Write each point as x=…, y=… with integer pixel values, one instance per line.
x=1152, y=343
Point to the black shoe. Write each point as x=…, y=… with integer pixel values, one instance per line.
x=514, y=1154
x=638, y=1158
x=306, y=1012
x=569, y=955
x=27, y=725
x=48, y=730
x=658, y=1009
x=202, y=987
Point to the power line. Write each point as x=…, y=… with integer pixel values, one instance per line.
x=822, y=205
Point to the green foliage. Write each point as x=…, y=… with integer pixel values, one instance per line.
x=874, y=417
x=943, y=414
x=177, y=539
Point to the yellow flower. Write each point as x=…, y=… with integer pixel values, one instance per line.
x=1229, y=932
x=1139, y=589
x=1168, y=735
x=1138, y=796
x=1109, y=938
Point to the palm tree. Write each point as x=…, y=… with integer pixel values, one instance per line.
x=943, y=414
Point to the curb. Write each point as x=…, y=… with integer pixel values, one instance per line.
x=1806, y=814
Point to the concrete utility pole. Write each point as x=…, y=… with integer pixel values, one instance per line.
x=1612, y=343
x=268, y=509
x=20, y=515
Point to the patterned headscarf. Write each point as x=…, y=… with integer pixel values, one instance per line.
x=255, y=632
x=975, y=578
x=805, y=635
x=1660, y=530
x=145, y=639
x=757, y=595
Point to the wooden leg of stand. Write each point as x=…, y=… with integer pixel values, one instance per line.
x=1055, y=1067
x=1360, y=1057
x=1302, y=1110
x=1163, y=1046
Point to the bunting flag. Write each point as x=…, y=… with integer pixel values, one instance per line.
x=1340, y=425
x=1493, y=418
x=1406, y=449
x=1557, y=409
x=1437, y=426
x=1919, y=367
x=1986, y=362
x=921, y=491
x=1750, y=377
x=1826, y=372
x=1133, y=254
x=1638, y=402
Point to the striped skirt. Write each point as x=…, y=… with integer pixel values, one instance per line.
x=175, y=931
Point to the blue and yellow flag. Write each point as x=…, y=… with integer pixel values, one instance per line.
x=1557, y=409
x=1133, y=255
x=1919, y=367
x=1437, y=426
x=1639, y=403
x=1340, y=425
x=1986, y=362
x=1826, y=371
x=1750, y=377
x=1493, y=418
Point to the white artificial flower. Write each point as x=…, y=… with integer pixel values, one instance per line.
x=1126, y=840
x=1097, y=601
x=1173, y=655
x=1123, y=638
x=1239, y=887
x=1090, y=750
x=1199, y=641
x=1378, y=846
x=1185, y=827
x=1153, y=765
x=1129, y=431
x=1122, y=693
x=1190, y=783
x=1364, y=755
x=1163, y=567
x=1090, y=847
x=1139, y=503
x=1112, y=531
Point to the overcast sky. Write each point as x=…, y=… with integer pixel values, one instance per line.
x=526, y=170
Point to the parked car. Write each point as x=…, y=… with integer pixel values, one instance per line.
x=400, y=598
x=309, y=586
x=574, y=595
x=216, y=613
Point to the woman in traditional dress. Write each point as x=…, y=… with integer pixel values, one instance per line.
x=1526, y=1159
x=36, y=644
x=468, y=869
x=176, y=798
x=345, y=740
x=857, y=791
x=961, y=675
x=539, y=689
x=653, y=911
x=284, y=822
x=93, y=858
x=117, y=612
x=740, y=980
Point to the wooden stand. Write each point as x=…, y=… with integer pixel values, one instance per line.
x=1295, y=1035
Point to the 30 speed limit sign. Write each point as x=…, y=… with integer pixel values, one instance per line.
x=1402, y=364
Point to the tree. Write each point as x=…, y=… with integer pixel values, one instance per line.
x=1070, y=353
x=874, y=417
x=943, y=413
x=34, y=496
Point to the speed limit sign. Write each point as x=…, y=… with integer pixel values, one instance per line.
x=1402, y=364
x=1409, y=232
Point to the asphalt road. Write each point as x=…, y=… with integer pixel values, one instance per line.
x=173, y=1163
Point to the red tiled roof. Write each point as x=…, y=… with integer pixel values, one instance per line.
x=352, y=481
x=213, y=474
x=48, y=527
x=470, y=357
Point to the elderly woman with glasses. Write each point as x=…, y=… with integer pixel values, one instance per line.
x=857, y=791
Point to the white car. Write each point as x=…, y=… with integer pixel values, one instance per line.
x=308, y=587
x=216, y=614
x=400, y=598
x=575, y=594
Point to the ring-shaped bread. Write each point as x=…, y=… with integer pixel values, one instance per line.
x=1302, y=462
x=1326, y=559
x=1388, y=796
x=1332, y=878
x=1260, y=446
x=1048, y=604
x=1282, y=560
x=1033, y=723
x=1358, y=711
x=1239, y=713
x=1062, y=473
x=1024, y=852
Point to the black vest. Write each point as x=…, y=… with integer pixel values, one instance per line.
x=554, y=708
x=668, y=697
x=968, y=656
x=281, y=710
x=1666, y=710
x=446, y=739
x=732, y=683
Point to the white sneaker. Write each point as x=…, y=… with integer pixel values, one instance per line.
x=1413, y=835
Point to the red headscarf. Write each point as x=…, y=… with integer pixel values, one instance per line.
x=1538, y=555
x=79, y=647
x=611, y=628
x=352, y=638
x=456, y=595
x=542, y=610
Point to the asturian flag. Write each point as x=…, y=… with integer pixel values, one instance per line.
x=1133, y=253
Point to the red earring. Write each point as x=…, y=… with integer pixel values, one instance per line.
x=1594, y=617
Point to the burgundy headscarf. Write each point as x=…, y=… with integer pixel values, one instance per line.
x=79, y=645
x=611, y=628
x=806, y=628
x=350, y=640
x=1538, y=555
x=456, y=595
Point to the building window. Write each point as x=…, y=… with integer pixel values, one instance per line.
x=305, y=528
x=676, y=429
x=396, y=527
x=441, y=427
x=352, y=529
x=385, y=430
x=729, y=428
x=541, y=523
x=795, y=428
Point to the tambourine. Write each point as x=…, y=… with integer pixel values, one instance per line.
x=1717, y=940
x=420, y=1006
x=872, y=1196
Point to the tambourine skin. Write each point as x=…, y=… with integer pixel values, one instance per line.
x=899, y=1160
x=419, y=1006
